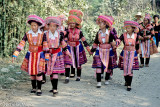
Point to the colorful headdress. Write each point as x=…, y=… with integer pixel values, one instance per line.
x=62, y=17
x=107, y=19
x=133, y=24
x=111, y=19
x=35, y=18
x=52, y=19
x=75, y=16
x=43, y=24
x=147, y=16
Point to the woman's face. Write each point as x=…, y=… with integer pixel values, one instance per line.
x=156, y=19
x=52, y=27
x=34, y=26
x=72, y=25
x=129, y=29
x=102, y=24
x=138, y=17
x=146, y=21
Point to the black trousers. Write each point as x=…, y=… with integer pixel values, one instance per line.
x=67, y=74
x=98, y=76
x=142, y=60
x=72, y=70
x=54, y=82
x=157, y=39
x=128, y=80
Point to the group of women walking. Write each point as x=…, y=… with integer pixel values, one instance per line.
x=55, y=49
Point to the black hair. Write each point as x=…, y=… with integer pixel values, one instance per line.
x=149, y=21
x=39, y=24
x=49, y=24
x=156, y=16
x=107, y=26
x=42, y=28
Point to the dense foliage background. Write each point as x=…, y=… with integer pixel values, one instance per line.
x=14, y=13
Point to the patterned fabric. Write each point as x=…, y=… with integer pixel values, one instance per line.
x=75, y=16
x=145, y=49
x=35, y=43
x=128, y=55
x=76, y=13
x=80, y=55
x=21, y=45
x=53, y=39
x=133, y=24
x=153, y=48
x=147, y=16
x=97, y=63
x=135, y=63
x=34, y=63
x=62, y=17
x=55, y=63
x=43, y=24
x=147, y=46
x=74, y=36
x=67, y=59
x=56, y=58
x=106, y=19
x=35, y=18
x=104, y=56
x=52, y=19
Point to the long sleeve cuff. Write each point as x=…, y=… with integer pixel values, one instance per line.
x=46, y=56
x=15, y=54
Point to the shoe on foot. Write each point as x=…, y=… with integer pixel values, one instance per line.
x=39, y=93
x=66, y=81
x=72, y=75
x=43, y=81
x=55, y=92
x=128, y=88
x=106, y=82
x=78, y=79
x=51, y=91
x=99, y=85
x=141, y=66
x=33, y=91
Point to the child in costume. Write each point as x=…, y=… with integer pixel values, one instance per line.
x=34, y=62
x=128, y=59
x=57, y=45
x=73, y=36
x=147, y=45
x=104, y=56
x=114, y=32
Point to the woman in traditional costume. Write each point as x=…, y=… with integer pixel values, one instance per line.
x=73, y=36
x=34, y=62
x=128, y=59
x=104, y=56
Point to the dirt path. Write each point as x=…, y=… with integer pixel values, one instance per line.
x=145, y=91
